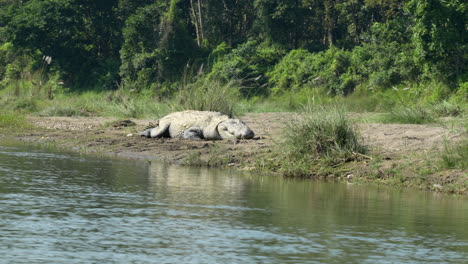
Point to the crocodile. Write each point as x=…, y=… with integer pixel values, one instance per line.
x=198, y=125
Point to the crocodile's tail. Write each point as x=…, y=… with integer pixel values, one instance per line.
x=152, y=125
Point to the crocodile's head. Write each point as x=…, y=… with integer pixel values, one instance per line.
x=234, y=128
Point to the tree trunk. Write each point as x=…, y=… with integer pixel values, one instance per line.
x=201, y=24
x=195, y=22
x=329, y=23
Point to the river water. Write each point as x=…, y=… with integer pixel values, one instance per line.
x=58, y=207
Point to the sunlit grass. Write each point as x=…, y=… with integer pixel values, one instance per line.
x=319, y=138
x=13, y=120
x=455, y=155
x=209, y=94
x=409, y=115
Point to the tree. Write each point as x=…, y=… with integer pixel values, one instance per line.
x=440, y=34
x=138, y=55
x=158, y=44
x=82, y=36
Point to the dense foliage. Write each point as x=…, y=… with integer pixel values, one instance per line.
x=271, y=46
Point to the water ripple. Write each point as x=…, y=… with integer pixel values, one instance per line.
x=65, y=208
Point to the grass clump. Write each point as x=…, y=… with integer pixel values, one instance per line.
x=64, y=110
x=447, y=108
x=217, y=157
x=455, y=155
x=125, y=106
x=26, y=105
x=317, y=142
x=209, y=94
x=409, y=115
x=13, y=120
x=136, y=107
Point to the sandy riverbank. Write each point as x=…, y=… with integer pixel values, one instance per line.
x=394, y=144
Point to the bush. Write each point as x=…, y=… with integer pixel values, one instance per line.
x=327, y=70
x=377, y=66
x=319, y=138
x=248, y=63
x=384, y=65
x=292, y=72
x=6, y=57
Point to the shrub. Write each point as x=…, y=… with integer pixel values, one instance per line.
x=248, y=63
x=319, y=138
x=378, y=66
x=327, y=69
x=292, y=72
x=6, y=57
x=384, y=65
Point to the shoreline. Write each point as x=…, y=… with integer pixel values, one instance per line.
x=399, y=152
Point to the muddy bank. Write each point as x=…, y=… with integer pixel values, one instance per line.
x=108, y=136
x=393, y=144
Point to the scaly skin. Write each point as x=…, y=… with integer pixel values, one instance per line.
x=198, y=125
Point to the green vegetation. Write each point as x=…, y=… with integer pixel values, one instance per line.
x=442, y=170
x=218, y=157
x=455, y=155
x=316, y=142
x=275, y=50
x=12, y=120
x=405, y=60
x=209, y=94
x=409, y=115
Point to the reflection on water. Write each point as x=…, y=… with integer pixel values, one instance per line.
x=65, y=208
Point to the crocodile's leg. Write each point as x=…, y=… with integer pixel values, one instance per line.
x=146, y=133
x=159, y=131
x=193, y=133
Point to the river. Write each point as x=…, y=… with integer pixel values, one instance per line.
x=60, y=207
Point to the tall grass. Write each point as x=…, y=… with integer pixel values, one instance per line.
x=316, y=141
x=137, y=107
x=455, y=155
x=64, y=110
x=111, y=103
x=285, y=102
x=13, y=120
x=409, y=115
x=209, y=94
x=449, y=108
x=423, y=114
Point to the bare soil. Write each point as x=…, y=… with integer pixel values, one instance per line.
x=100, y=134
x=404, y=139
x=106, y=134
